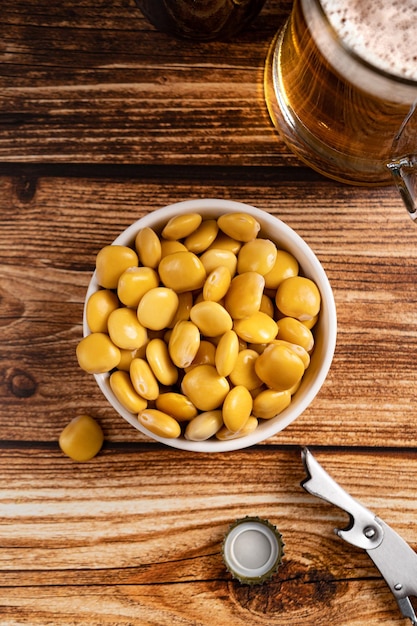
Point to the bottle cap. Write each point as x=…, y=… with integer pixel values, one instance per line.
x=252, y=550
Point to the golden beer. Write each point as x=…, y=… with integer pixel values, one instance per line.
x=339, y=112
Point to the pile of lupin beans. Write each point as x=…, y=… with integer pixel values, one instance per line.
x=205, y=328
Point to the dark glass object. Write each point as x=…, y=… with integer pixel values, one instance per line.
x=202, y=20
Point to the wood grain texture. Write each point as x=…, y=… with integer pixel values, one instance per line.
x=78, y=84
x=102, y=120
x=80, y=544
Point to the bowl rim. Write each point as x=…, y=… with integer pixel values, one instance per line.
x=324, y=349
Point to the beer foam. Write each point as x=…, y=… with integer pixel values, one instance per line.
x=381, y=32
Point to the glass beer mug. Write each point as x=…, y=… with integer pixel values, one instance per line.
x=341, y=88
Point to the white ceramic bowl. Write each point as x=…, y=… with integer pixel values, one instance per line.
x=325, y=329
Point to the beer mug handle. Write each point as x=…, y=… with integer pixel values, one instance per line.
x=403, y=163
x=404, y=172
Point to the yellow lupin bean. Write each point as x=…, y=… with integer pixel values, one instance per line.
x=295, y=387
x=226, y=354
x=217, y=283
x=184, y=343
x=181, y=226
x=169, y=247
x=299, y=350
x=211, y=318
x=258, y=328
x=285, y=266
x=242, y=344
x=143, y=379
x=213, y=258
x=224, y=434
x=240, y=358
x=159, y=423
x=158, y=357
x=294, y=331
x=244, y=296
x=279, y=367
x=111, y=262
x=240, y=226
x=237, y=407
x=122, y=387
x=125, y=330
x=99, y=306
x=126, y=357
x=148, y=247
x=214, y=340
x=97, y=354
x=204, y=426
x=257, y=391
x=140, y=353
x=267, y=306
x=224, y=242
x=311, y=322
x=157, y=308
x=81, y=439
x=134, y=283
x=177, y=405
x=203, y=237
x=205, y=388
x=258, y=347
x=182, y=271
x=205, y=355
x=185, y=302
x=244, y=372
x=258, y=256
x=269, y=403
x=298, y=297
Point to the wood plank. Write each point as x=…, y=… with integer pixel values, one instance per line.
x=77, y=84
x=80, y=545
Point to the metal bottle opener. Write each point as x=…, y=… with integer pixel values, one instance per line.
x=394, y=558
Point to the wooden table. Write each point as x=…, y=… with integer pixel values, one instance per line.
x=102, y=120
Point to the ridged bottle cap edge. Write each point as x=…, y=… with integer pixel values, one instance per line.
x=270, y=534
